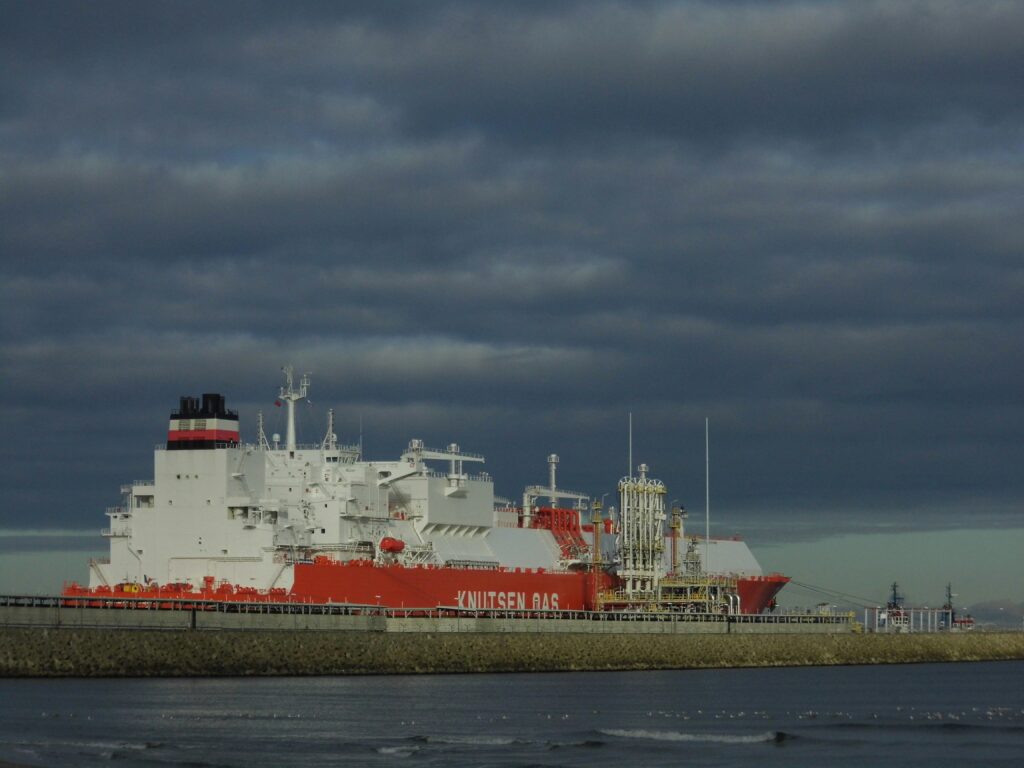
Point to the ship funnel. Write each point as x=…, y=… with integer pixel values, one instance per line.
x=211, y=426
x=213, y=404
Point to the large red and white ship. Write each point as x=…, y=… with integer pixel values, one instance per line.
x=277, y=521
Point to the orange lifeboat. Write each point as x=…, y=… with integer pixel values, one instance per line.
x=391, y=545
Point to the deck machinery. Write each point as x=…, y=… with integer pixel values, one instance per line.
x=644, y=583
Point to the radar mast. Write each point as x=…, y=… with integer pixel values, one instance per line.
x=290, y=395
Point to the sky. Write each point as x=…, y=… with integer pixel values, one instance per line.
x=511, y=225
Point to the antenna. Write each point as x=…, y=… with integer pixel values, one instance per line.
x=707, y=497
x=630, y=472
x=360, y=437
x=329, y=439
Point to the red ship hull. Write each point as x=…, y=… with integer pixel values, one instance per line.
x=361, y=582
x=397, y=586
x=757, y=593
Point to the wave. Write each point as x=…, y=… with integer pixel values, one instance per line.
x=406, y=751
x=93, y=745
x=586, y=744
x=177, y=764
x=204, y=716
x=716, y=738
x=59, y=751
x=920, y=725
x=472, y=741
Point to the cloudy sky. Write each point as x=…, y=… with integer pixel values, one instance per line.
x=511, y=225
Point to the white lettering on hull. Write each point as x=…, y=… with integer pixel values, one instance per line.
x=479, y=599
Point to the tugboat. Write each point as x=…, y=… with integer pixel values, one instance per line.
x=895, y=617
x=956, y=622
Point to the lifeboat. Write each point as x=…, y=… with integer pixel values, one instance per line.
x=391, y=545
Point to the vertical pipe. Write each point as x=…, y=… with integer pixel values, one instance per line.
x=290, y=434
x=675, y=542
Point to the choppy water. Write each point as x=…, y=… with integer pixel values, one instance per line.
x=972, y=714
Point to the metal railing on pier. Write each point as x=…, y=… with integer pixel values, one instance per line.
x=82, y=605
x=900, y=620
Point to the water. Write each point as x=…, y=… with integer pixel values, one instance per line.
x=971, y=714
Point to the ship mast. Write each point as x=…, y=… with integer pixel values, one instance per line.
x=290, y=395
x=707, y=498
x=330, y=440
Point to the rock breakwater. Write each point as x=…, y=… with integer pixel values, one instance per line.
x=72, y=652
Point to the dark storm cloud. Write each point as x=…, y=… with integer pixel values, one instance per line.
x=698, y=71
x=509, y=225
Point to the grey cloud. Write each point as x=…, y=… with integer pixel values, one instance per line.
x=700, y=72
x=509, y=226
x=29, y=543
